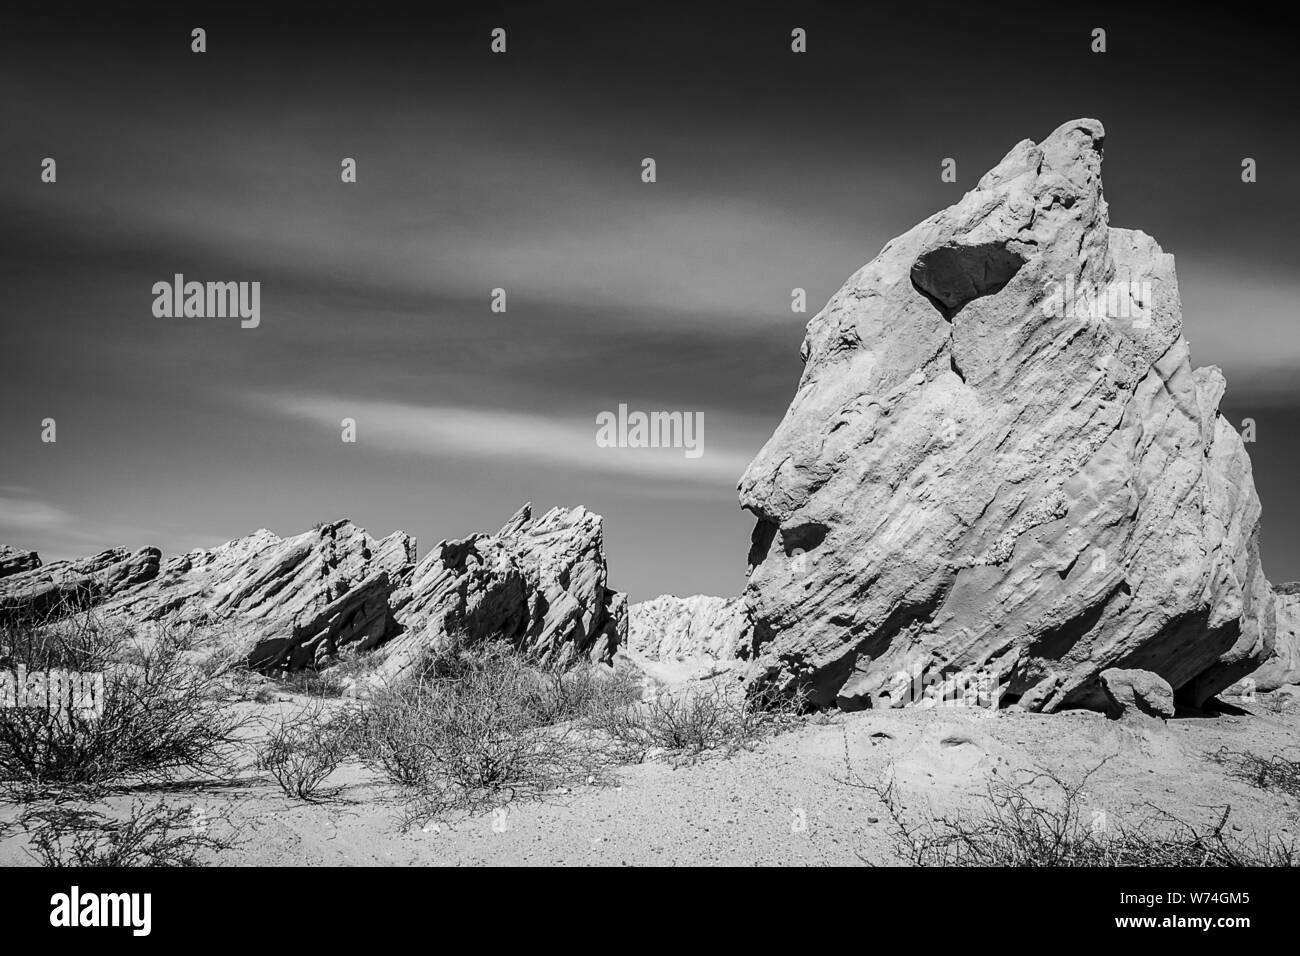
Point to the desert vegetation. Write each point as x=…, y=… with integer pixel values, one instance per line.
x=160, y=719
x=1276, y=772
x=1044, y=819
x=486, y=724
x=158, y=834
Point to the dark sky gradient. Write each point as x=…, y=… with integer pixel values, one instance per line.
x=523, y=171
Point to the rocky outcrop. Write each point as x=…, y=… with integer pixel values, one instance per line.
x=289, y=603
x=16, y=561
x=1000, y=458
x=1284, y=667
x=676, y=640
x=540, y=584
x=687, y=629
x=1137, y=691
x=46, y=591
x=359, y=618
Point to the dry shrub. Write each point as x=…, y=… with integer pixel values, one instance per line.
x=1276, y=773
x=158, y=835
x=162, y=717
x=481, y=725
x=303, y=749
x=1016, y=824
x=694, y=721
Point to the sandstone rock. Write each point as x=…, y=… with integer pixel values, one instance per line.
x=48, y=590
x=670, y=628
x=676, y=640
x=1137, y=690
x=538, y=583
x=288, y=602
x=979, y=471
x=16, y=560
x=359, y=618
x=1284, y=668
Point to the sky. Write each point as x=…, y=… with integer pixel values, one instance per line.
x=522, y=171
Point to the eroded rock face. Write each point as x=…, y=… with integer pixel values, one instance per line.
x=674, y=641
x=45, y=591
x=17, y=560
x=981, y=471
x=540, y=584
x=1284, y=668
x=687, y=629
x=289, y=602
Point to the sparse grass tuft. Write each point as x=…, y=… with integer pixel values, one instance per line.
x=1267, y=773
x=158, y=835
x=312, y=683
x=1016, y=824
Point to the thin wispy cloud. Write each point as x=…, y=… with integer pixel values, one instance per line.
x=22, y=514
x=509, y=439
x=28, y=520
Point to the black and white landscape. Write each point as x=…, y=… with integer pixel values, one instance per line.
x=691, y=518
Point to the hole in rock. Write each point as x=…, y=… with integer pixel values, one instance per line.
x=802, y=538
x=953, y=274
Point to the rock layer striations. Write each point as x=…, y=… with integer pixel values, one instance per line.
x=999, y=457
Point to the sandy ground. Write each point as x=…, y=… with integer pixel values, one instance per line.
x=786, y=802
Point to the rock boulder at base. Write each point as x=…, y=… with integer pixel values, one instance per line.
x=1000, y=458
x=1128, y=691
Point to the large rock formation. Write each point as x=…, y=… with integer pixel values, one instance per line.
x=43, y=591
x=289, y=603
x=988, y=466
x=540, y=584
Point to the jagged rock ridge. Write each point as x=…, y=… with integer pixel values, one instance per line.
x=538, y=583
x=289, y=603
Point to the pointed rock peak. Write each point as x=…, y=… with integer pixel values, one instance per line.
x=1079, y=140
x=519, y=520
x=332, y=527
